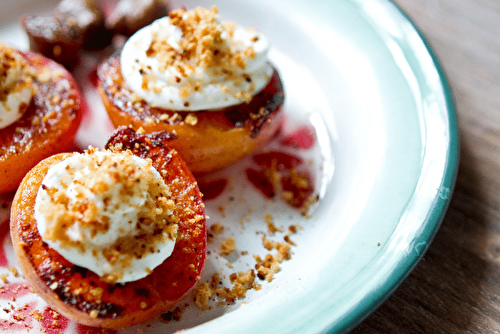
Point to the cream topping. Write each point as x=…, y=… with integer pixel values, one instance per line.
x=107, y=212
x=191, y=61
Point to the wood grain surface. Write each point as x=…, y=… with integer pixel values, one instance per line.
x=456, y=286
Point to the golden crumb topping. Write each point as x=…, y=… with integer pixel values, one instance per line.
x=201, y=44
x=14, y=70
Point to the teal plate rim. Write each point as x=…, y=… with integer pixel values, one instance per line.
x=370, y=302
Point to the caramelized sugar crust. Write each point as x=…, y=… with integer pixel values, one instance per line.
x=207, y=140
x=47, y=127
x=78, y=293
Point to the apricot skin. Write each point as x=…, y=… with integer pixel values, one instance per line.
x=47, y=127
x=78, y=293
x=217, y=139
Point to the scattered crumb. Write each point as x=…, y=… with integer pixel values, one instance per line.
x=13, y=270
x=270, y=225
x=36, y=315
x=217, y=228
x=288, y=240
x=3, y=277
x=202, y=294
x=228, y=246
x=242, y=283
x=304, y=209
x=264, y=269
x=191, y=119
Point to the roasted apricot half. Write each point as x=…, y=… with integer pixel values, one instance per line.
x=47, y=127
x=80, y=294
x=207, y=140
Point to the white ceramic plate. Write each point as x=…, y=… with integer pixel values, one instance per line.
x=384, y=165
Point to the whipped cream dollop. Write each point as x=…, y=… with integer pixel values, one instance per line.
x=108, y=212
x=16, y=85
x=191, y=61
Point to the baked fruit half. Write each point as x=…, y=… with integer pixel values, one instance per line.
x=79, y=293
x=219, y=95
x=72, y=26
x=49, y=115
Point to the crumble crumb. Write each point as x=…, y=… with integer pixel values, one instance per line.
x=191, y=119
x=36, y=315
x=13, y=270
x=228, y=246
x=217, y=228
x=304, y=209
x=202, y=294
x=3, y=277
x=270, y=225
x=243, y=281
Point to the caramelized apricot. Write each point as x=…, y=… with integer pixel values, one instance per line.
x=207, y=140
x=47, y=127
x=128, y=16
x=80, y=294
x=72, y=25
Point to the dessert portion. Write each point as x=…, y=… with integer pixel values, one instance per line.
x=73, y=25
x=205, y=80
x=104, y=211
x=76, y=25
x=128, y=16
x=111, y=238
x=88, y=17
x=40, y=110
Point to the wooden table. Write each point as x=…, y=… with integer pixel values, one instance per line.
x=456, y=286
